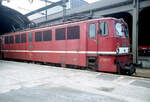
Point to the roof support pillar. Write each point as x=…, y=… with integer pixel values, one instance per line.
x=64, y=9
x=135, y=16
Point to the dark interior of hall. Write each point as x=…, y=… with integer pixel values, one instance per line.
x=11, y=20
x=144, y=28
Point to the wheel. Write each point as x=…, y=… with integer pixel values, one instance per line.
x=131, y=71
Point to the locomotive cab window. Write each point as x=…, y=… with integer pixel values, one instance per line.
x=121, y=29
x=30, y=36
x=126, y=30
x=17, y=38
x=38, y=36
x=47, y=35
x=23, y=38
x=73, y=32
x=103, y=28
x=92, y=30
x=60, y=34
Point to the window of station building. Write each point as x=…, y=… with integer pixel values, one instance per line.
x=6, y=40
x=38, y=36
x=73, y=32
x=17, y=38
x=92, y=30
x=30, y=36
x=23, y=38
x=103, y=27
x=60, y=34
x=11, y=39
x=47, y=35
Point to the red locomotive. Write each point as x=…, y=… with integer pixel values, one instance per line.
x=101, y=44
x=144, y=50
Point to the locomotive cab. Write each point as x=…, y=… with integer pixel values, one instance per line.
x=121, y=35
x=110, y=41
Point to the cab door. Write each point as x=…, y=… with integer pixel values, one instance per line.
x=92, y=38
x=30, y=45
x=104, y=41
x=105, y=47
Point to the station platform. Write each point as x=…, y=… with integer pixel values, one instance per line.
x=142, y=72
x=27, y=82
x=144, y=61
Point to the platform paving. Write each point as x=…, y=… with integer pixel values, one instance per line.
x=24, y=82
x=142, y=72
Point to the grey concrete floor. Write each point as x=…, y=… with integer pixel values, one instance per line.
x=23, y=82
x=142, y=72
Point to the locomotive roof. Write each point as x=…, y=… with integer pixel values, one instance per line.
x=59, y=25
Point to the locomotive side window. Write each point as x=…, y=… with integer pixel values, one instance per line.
x=17, y=38
x=0, y=41
x=30, y=36
x=73, y=32
x=11, y=39
x=47, y=35
x=60, y=34
x=92, y=30
x=103, y=27
x=6, y=39
x=38, y=36
x=23, y=38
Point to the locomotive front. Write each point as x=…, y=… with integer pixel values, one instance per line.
x=113, y=46
x=122, y=47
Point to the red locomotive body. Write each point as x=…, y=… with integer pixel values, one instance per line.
x=102, y=44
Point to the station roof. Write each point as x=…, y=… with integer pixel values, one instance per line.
x=10, y=20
